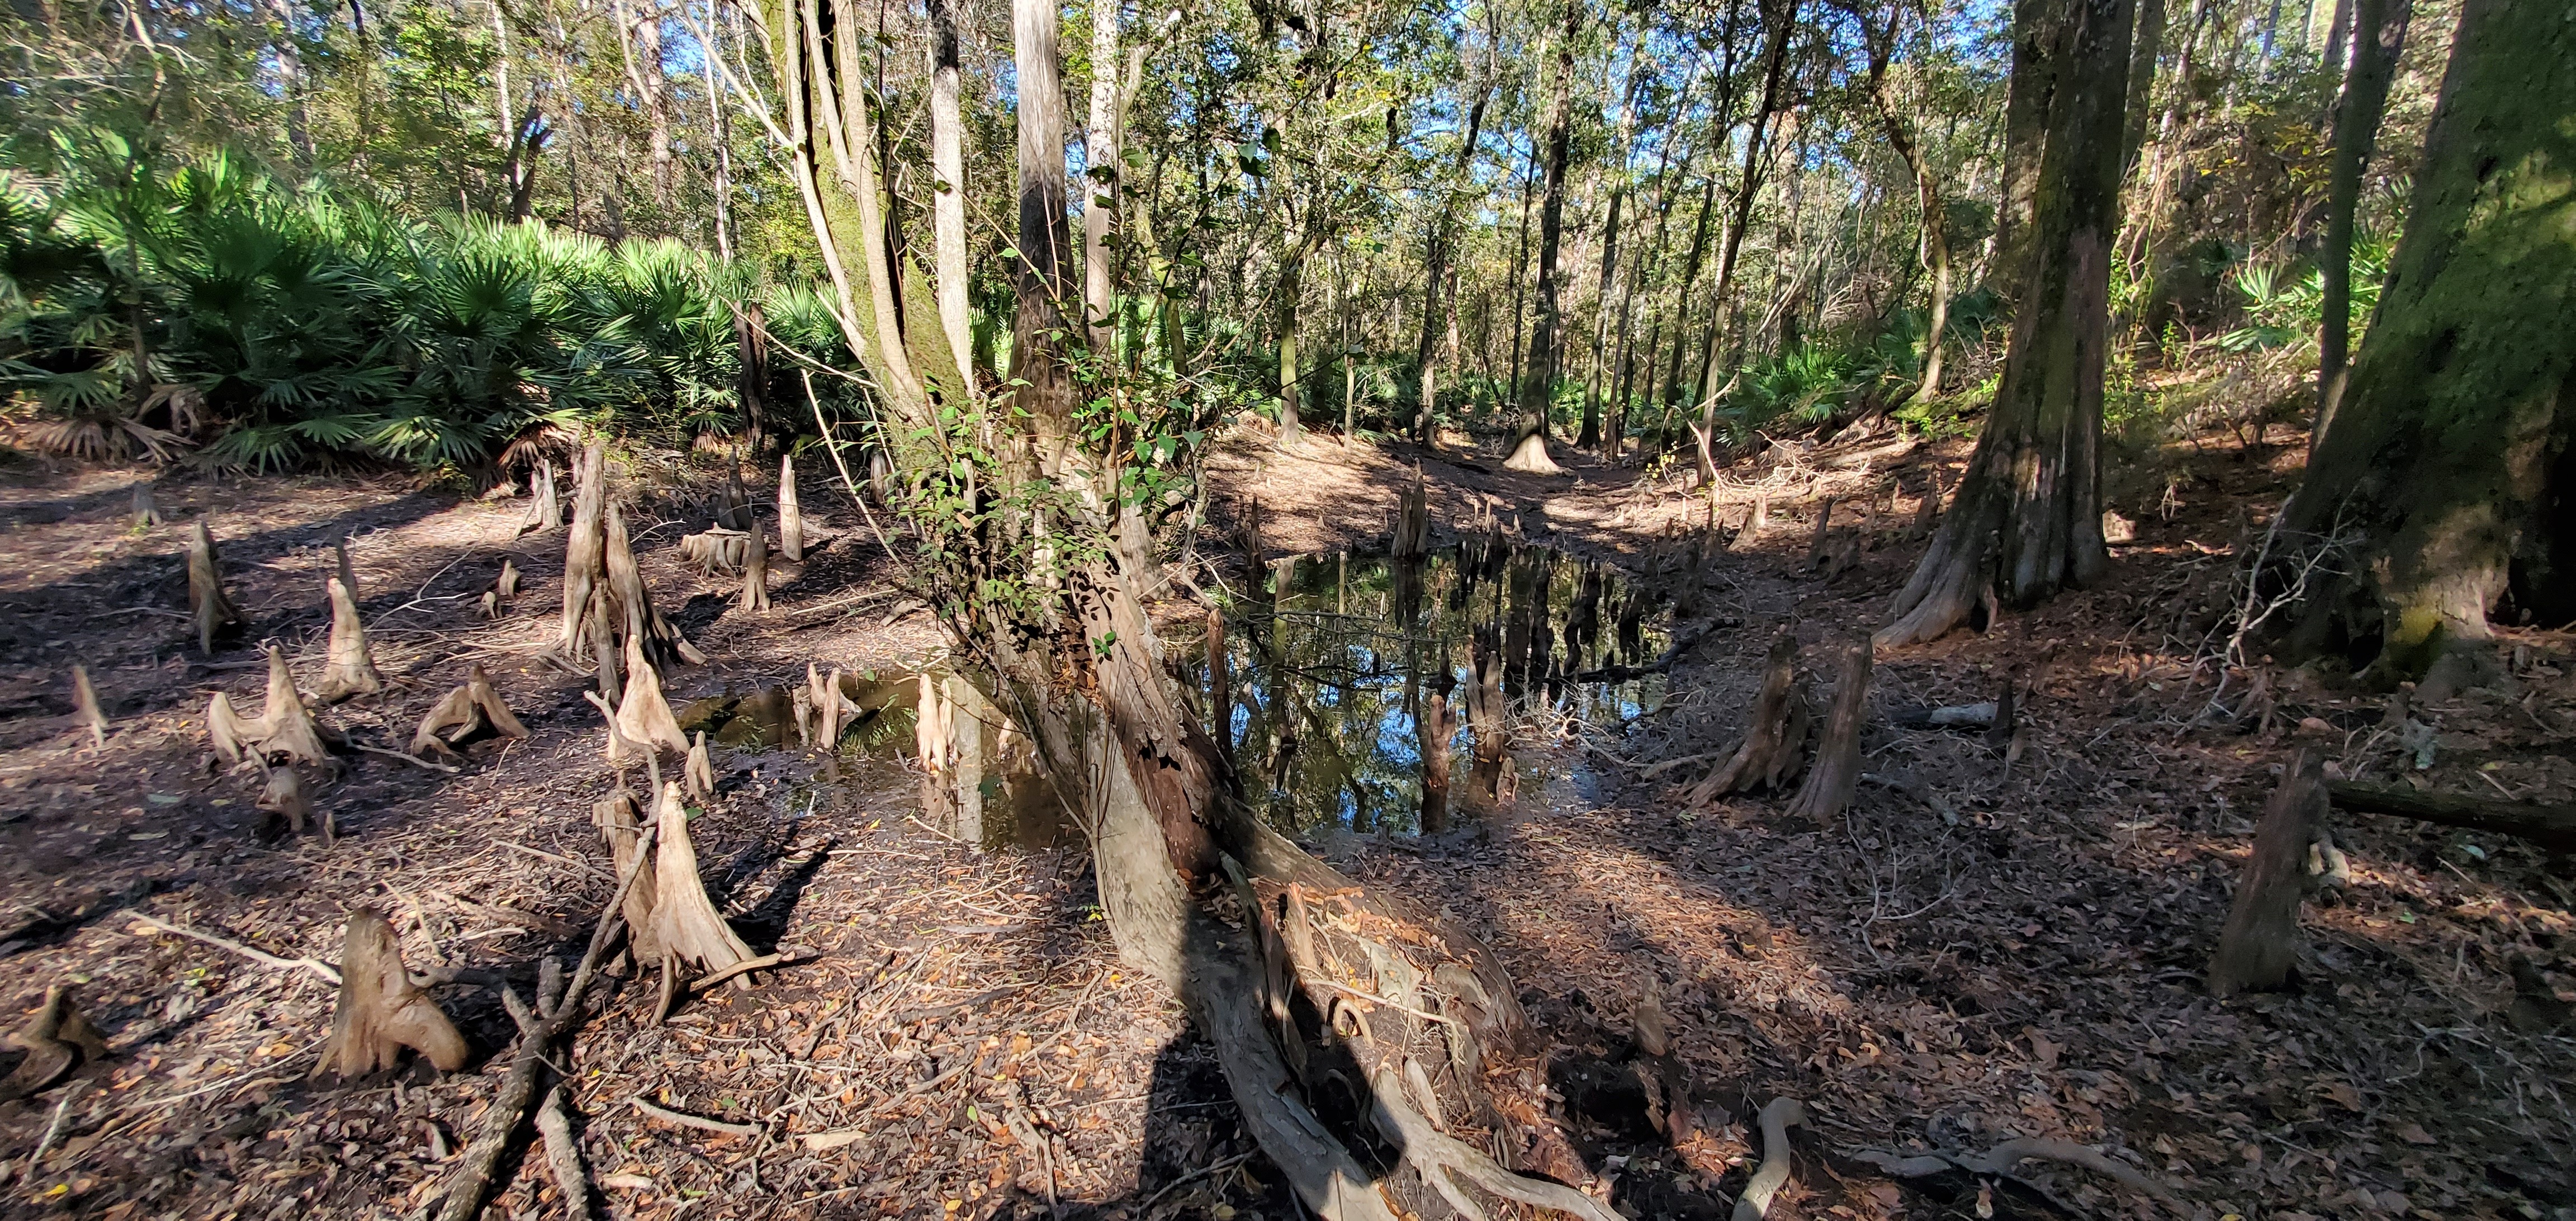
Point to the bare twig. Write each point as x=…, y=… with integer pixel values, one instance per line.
x=316, y=966
x=414, y=760
x=699, y=1122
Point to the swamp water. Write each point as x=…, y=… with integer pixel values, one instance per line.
x=1360, y=694
x=1365, y=694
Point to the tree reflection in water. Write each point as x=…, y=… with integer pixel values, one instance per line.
x=1348, y=675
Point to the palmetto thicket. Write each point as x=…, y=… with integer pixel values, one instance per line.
x=151, y=305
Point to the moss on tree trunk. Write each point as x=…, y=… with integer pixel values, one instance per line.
x=2448, y=464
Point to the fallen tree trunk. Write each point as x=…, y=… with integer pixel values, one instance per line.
x=2551, y=826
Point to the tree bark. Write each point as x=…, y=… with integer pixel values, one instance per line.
x=948, y=197
x=2379, y=38
x=2445, y=476
x=1101, y=167
x=2142, y=81
x=2027, y=519
x=2029, y=100
x=1036, y=359
x=2260, y=943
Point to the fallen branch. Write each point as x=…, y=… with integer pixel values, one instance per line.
x=472, y=1181
x=2552, y=827
x=2001, y=1161
x=699, y=1122
x=414, y=760
x=316, y=966
x=745, y=967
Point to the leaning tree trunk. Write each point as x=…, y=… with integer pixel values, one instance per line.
x=2445, y=479
x=2027, y=520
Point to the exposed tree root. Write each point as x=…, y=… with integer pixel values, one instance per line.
x=283, y=729
x=545, y=506
x=85, y=710
x=207, y=601
x=755, y=573
x=468, y=710
x=716, y=552
x=57, y=1040
x=1836, y=773
x=2002, y=1161
x=1412, y=537
x=1777, y=1117
x=584, y=547
x=643, y=715
x=1755, y=520
x=791, y=516
x=146, y=513
x=380, y=1010
x=284, y=797
x=1774, y=747
x=686, y=925
x=352, y=666
x=699, y=771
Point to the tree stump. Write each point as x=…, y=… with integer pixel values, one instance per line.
x=352, y=667
x=1837, y=771
x=380, y=1011
x=2260, y=943
x=1412, y=537
x=1755, y=520
x=791, y=516
x=1773, y=751
x=212, y=608
x=146, y=514
x=633, y=604
x=545, y=509
x=57, y=1040
x=283, y=799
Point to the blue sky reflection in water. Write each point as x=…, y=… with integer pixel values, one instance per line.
x=1333, y=658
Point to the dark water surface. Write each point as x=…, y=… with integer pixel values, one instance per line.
x=1335, y=661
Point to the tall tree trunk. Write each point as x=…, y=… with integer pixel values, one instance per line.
x=2029, y=95
x=1520, y=265
x=948, y=194
x=2142, y=80
x=2379, y=37
x=1100, y=166
x=1590, y=435
x=2337, y=28
x=2453, y=458
x=1436, y=260
x=1680, y=317
x=1530, y=452
x=1927, y=194
x=2028, y=517
x=1775, y=57
x=1292, y=285
x=1037, y=361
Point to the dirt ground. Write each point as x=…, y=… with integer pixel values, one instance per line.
x=1996, y=941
